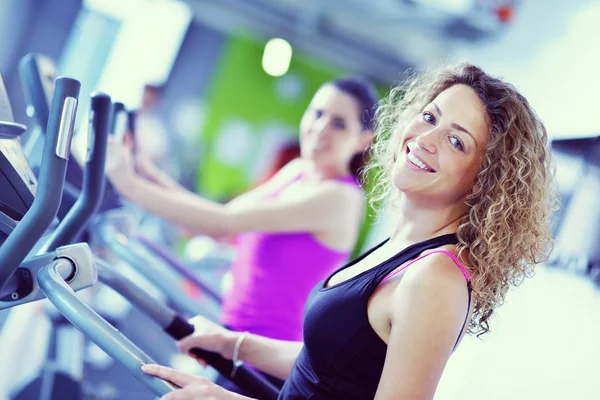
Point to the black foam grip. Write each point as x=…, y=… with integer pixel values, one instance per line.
x=179, y=328
x=248, y=380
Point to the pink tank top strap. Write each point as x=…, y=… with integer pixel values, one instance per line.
x=349, y=179
x=287, y=184
x=448, y=253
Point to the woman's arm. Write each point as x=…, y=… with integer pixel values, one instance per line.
x=331, y=205
x=275, y=357
x=261, y=192
x=272, y=356
x=146, y=168
x=314, y=211
x=427, y=312
x=152, y=173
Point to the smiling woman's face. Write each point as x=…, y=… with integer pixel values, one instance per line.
x=440, y=149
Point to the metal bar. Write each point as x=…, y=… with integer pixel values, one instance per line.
x=178, y=328
x=90, y=196
x=52, y=176
x=165, y=282
x=157, y=311
x=97, y=329
x=179, y=267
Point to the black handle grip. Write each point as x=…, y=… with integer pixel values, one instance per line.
x=254, y=384
x=131, y=120
x=51, y=180
x=117, y=109
x=131, y=127
x=112, y=199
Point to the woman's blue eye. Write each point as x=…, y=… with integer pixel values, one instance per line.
x=428, y=117
x=318, y=113
x=456, y=143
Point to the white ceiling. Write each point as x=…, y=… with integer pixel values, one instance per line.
x=392, y=34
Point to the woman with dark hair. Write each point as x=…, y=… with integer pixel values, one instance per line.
x=464, y=164
x=293, y=230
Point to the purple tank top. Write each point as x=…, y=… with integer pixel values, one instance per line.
x=273, y=274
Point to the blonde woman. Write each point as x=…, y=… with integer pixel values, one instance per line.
x=466, y=165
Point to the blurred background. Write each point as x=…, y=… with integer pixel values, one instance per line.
x=222, y=86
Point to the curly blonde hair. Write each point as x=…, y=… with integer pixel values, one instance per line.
x=506, y=230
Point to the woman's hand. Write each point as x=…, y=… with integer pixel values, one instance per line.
x=209, y=336
x=146, y=168
x=192, y=387
x=119, y=163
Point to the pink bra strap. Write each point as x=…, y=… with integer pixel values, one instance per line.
x=451, y=255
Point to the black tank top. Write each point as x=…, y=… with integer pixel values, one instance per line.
x=343, y=357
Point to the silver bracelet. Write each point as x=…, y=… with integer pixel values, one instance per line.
x=236, y=353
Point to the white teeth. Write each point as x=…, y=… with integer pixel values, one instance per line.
x=417, y=162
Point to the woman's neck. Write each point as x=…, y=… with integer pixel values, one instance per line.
x=417, y=223
x=322, y=173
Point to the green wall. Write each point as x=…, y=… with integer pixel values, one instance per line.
x=241, y=91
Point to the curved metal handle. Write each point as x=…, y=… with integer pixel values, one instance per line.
x=51, y=179
x=97, y=329
x=90, y=197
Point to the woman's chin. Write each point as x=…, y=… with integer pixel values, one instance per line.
x=406, y=185
x=320, y=159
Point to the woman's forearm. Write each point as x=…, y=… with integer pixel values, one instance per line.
x=272, y=356
x=159, y=177
x=182, y=208
x=169, y=183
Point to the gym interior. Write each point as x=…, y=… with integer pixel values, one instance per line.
x=212, y=93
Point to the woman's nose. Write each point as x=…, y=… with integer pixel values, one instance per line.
x=427, y=141
x=320, y=127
